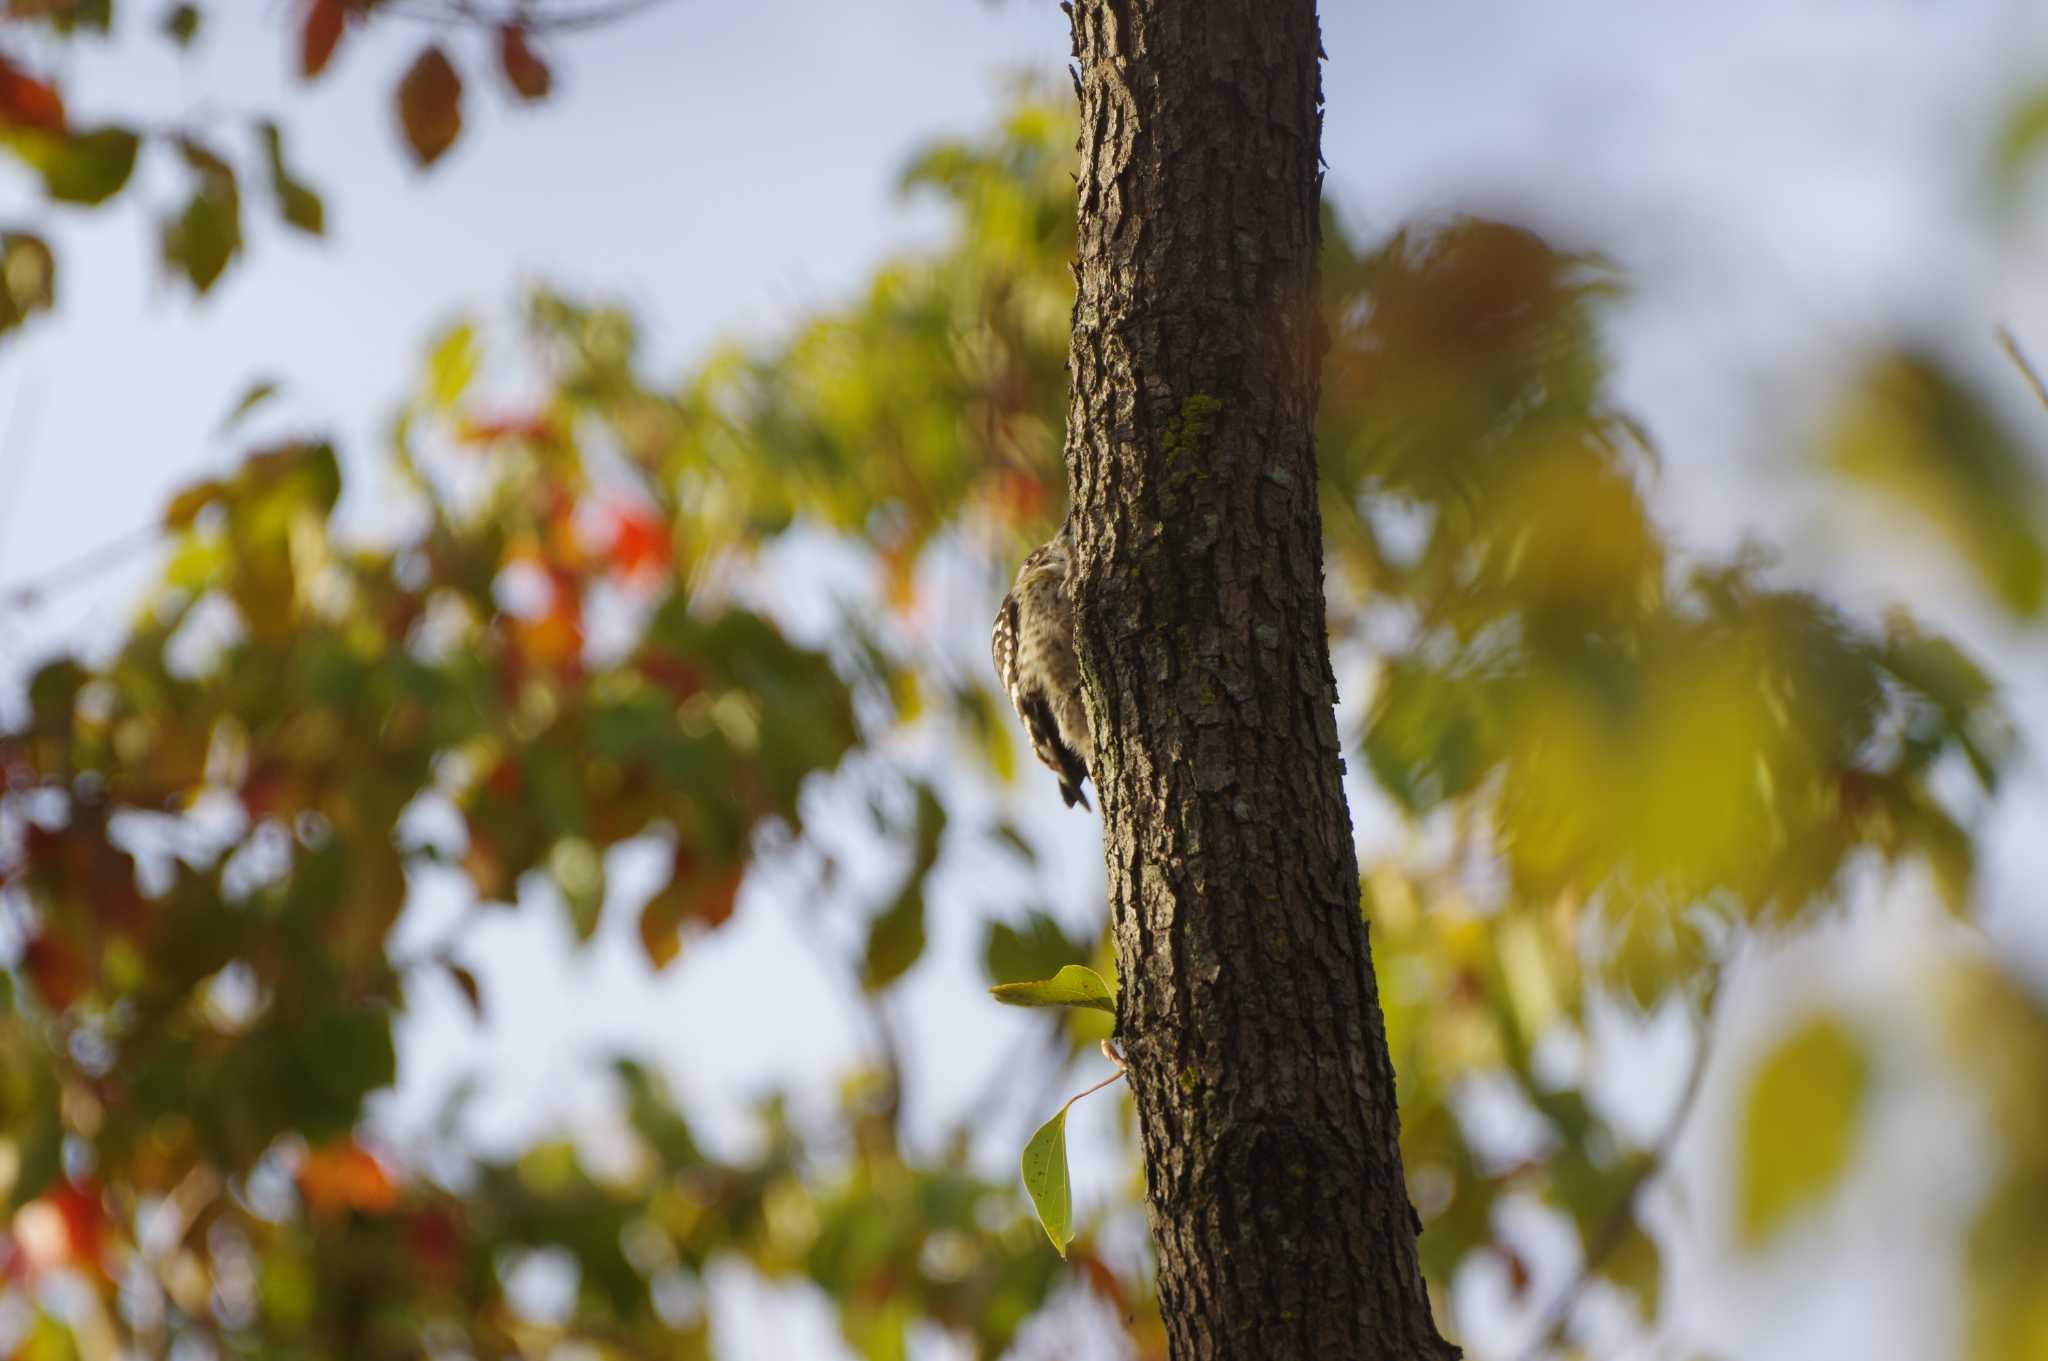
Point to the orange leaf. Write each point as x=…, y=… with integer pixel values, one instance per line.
x=1101, y=1278
x=28, y=102
x=344, y=1176
x=1021, y=496
x=716, y=901
x=691, y=898
x=526, y=73
x=317, y=41
x=487, y=429
x=485, y=863
x=430, y=106
x=556, y=638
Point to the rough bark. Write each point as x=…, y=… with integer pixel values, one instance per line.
x=1249, y=1016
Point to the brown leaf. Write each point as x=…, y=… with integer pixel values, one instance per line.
x=525, y=72
x=472, y=991
x=430, y=106
x=57, y=969
x=317, y=41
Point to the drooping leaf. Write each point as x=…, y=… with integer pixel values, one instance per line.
x=466, y=983
x=1045, y=1181
x=255, y=395
x=696, y=895
x=181, y=24
x=185, y=507
x=1799, y=1125
x=201, y=240
x=1076, y=985
x=430, y=106
x=84, y=167
x=297, y=203
x=578, y=871
x=1916, y=431
x=524, y=71
x=896, y=939
x=452, y=363
x=28, y=278
x=1035, y=949
x=318, y=36
x=26, y=102
x=2019, y=144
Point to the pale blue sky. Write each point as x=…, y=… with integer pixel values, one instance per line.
x=1784, y=179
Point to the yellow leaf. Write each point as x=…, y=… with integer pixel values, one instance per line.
x=1799, y=1127
x=452, y=364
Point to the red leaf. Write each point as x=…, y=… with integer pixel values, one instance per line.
x=680, y=678
x=640, y=545
x=65, y=1227
x=527, y=74
x=324, y=22
x=28, y=102
x=430, y=106
x=85, y=1218
x=436, y=1242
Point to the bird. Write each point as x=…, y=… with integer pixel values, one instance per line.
x=1033, y=645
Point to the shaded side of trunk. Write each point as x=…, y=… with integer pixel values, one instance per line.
x=1258, y=1056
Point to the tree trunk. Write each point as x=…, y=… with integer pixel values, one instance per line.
x=1249, y=1016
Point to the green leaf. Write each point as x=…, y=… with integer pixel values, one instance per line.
x=201, y=240
x=1045, y=1180
x=1036, y=949
x=2018, y=144
x=896, y=938
x=299, y=205
x=181, y=24
x=85, y=167
x=255, y=395
x=1428, y=737
x=1799, y=1126
x=1916, y=431
x=430, y=106
x=578, y=870
x=1076, y=985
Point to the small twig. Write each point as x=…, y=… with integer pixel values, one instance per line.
x=531, y=18
x=2011, y=346
x=29, y=594
x=1617, y=1226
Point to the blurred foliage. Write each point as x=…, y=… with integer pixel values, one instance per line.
x=1619, y=760
x=89, y=164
